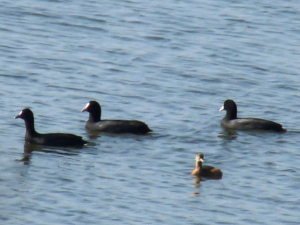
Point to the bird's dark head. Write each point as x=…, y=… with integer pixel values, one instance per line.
x=25, y=114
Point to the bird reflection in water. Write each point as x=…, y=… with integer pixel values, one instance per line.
x=30, y=148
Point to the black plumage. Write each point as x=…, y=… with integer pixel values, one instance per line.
x=230, y=121
x=50, y=139
x=112, y=126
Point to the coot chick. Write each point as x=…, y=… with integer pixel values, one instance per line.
x=112, y=126
x=230, y=121
x=51, y=139
x=208, y=172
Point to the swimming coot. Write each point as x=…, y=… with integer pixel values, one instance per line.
x=52, y=139
x=230, y=121
x=208, y=172
x=112, y=126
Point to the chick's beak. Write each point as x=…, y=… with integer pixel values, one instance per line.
x=198, y=159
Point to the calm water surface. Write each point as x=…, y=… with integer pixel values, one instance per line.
x=168, y=63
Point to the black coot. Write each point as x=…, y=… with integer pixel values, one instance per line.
x=230, y=121
x=112, y=126
x=52, y=139
x=206, y=171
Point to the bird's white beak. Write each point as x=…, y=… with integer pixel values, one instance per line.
x=86, y=107
x=222, y=108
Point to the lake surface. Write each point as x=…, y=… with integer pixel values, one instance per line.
x=171, y=64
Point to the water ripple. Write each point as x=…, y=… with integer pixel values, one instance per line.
x=172, y=65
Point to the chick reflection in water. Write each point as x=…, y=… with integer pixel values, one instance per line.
x=208, y=172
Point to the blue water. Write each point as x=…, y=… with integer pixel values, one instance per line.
x=171, y=64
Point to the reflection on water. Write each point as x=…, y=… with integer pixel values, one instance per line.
x=198, y=179
x=30, y=148
x=55, y=57
x=228, y=134
x=93, y=135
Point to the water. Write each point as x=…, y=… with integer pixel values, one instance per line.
x=170, y=64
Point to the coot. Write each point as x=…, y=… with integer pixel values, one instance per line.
x=230, y=121
x=52, y=139
x=112, y=126
x=208, y=172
